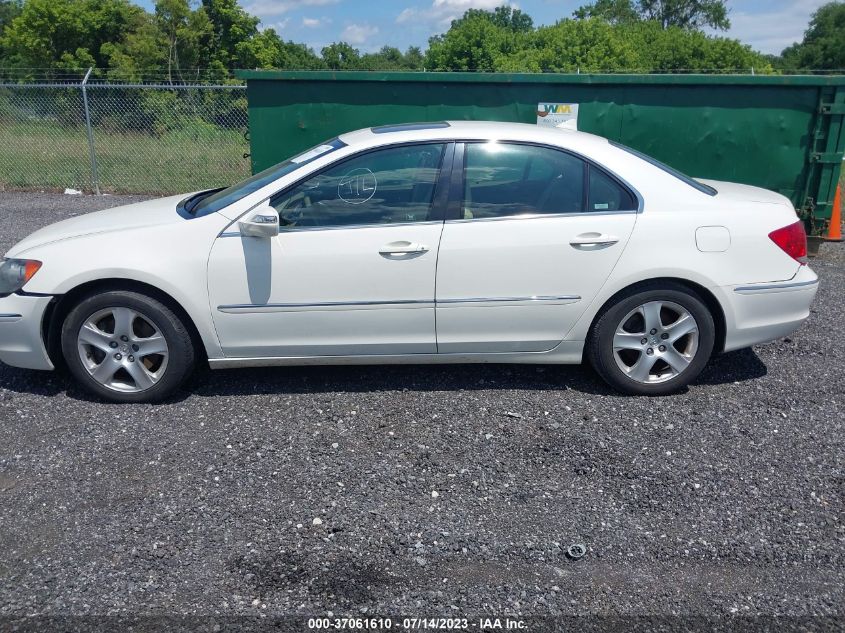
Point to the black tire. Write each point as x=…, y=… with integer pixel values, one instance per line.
x=180, y=349
x=600, y=342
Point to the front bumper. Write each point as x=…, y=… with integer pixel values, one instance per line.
x=21, y=343
x=760, y=313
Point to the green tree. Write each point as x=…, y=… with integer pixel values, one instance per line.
x=68, y=34
x=478, y=40
x=391, y=58
x=9, y=10
x=341, y=56
x=681, y=50
x=183, y=31
x=295, y=56
x=475, y=42
x=686, y=14
x=505, y=17
x=571, y=45
x=266, y=49
x=612, y=11
x=823, y=47
x=231, y=29
x=414, y=58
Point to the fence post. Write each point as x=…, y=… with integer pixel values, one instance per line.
x=95, y=178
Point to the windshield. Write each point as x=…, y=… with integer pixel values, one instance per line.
x=692, y=182
x=212, y=201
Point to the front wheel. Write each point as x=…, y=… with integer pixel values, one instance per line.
x=653, y=340
x=127, y=347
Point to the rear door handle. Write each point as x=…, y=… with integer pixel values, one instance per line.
x=403, y=248
x=593, y=239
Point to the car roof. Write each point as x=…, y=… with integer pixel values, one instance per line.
x=471, y=130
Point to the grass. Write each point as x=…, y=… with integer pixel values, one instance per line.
x=47, y=155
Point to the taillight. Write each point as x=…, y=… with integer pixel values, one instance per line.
x=792, y=240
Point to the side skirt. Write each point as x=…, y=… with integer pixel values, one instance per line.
x=567, y=353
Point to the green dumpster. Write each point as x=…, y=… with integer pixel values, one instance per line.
x=783, y=133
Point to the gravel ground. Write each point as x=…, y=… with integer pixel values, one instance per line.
x=430, y=490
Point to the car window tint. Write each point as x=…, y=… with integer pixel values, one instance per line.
x=224, y=197
x=606, y=194
x=506, y=179
x=386, y=186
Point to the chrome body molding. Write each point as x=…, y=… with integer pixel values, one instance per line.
x=776, y=287
x=301, y=229
x=532, y=299
x=290, y=307
x=542, y=216
x=241, y=308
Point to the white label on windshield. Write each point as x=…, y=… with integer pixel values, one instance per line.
x=312, y=154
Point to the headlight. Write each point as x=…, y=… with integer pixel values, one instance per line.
x=14, y=273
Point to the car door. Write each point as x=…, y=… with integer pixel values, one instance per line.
x=352, y=269
x=532, y=234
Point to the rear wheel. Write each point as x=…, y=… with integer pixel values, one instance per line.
x=653, y=340
x=127, y=347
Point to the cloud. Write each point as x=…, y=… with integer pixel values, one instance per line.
x=441, y=12
x=313, y=23
x=358, y=33
x=773, y=30
x=278, y=25
x=264, y=8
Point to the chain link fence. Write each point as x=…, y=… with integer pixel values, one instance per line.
x=122, y=138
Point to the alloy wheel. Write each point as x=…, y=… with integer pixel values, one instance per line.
x=655, y=342
x=122, y=349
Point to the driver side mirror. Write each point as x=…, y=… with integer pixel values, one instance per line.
x=262, y=221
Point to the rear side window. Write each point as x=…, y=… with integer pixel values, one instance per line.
x=509, y=179
x=692, y=182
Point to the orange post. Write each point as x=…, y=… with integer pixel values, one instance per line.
x=834, y=231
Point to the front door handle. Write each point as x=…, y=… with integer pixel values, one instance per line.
x=593, y=239
x=403, y=248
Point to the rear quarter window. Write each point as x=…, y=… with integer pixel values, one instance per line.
x=605, y=194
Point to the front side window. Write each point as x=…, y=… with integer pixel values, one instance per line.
x=386, y=186
x=213, y=201
x=503, y=179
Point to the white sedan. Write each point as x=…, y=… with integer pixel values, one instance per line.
x=458, y=242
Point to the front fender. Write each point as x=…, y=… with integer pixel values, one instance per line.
x=174, y=261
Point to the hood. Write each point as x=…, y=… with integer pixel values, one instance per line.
x=746, y=193
x=130, y=216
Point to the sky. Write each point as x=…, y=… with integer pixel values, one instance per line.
x=767, y=25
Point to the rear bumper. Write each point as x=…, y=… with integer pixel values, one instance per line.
x=21, y=343
x=760, y=313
